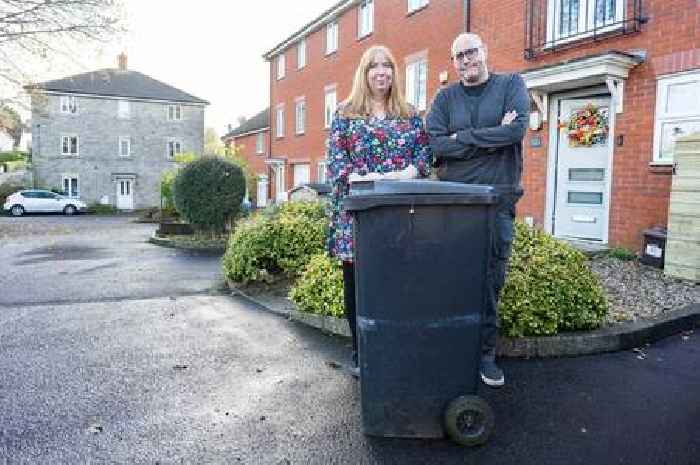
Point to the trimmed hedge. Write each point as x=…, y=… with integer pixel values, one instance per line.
x=549, y=289
x=208, y=192
x=277, y=241
x=319, y=290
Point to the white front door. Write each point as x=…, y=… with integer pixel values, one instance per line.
x=280, y=189
x=125, y=194
x=582, y=176
x=262, y=192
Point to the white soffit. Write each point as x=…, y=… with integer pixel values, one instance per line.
x=583, y=72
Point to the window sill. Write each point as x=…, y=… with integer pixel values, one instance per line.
x=299, y=133
x=565, y=41
x=658, y=167
x=361, y=38
x=63, y=155
x=331, y=53
x=417, y=10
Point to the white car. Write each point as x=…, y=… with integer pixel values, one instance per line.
x=41, y=201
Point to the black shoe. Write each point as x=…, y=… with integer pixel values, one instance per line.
x=491, y=375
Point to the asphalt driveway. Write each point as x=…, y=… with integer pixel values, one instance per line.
x=115, y=351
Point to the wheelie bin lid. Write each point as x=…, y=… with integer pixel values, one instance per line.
x=369, y=194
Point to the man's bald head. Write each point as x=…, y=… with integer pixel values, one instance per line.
x=467, y=40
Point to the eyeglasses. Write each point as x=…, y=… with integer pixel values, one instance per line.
x=469, y=53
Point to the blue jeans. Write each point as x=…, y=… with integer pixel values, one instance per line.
x=500, y=253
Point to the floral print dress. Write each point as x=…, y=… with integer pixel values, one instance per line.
x=369, y=145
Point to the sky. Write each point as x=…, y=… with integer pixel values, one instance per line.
x=209, y=48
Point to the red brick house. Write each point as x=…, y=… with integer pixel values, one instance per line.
x=634, y=65
x=252, y=139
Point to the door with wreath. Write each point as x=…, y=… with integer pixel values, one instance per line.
x=582, y=169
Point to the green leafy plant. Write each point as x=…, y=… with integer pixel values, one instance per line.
x=100, y=209
x=319, y=289
x=622, y=254
x=208, y=192
x=281, y=240
x=550, y=288
x=16, y=155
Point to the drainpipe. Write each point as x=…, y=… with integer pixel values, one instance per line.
x=466, y=10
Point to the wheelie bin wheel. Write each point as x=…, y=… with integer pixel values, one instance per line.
x=469, y=420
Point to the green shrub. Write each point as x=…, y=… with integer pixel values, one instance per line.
x=209, y=192
x=6, y=157
x=100, y=209
x=6, y=190
x=167, y=193
x=550, y=288
x=622, y=254
x=281, y=240
x=320, y=288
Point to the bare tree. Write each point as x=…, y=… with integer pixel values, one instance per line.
x=36, y=32
x=11, y=124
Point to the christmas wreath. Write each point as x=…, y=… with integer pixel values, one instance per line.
x=587, y=126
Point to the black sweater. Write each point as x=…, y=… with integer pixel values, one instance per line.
x=484, y=152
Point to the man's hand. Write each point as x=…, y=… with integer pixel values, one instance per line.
x=509, y=118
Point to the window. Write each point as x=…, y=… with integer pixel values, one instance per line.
x=365, y=19
x=69, y=104
x=414, y=5
x=174, y=148
x=321, y=172
x=281, y=66
x=174, y=112
x=677, y=113
x=574, y=19
x=71, y=186
x=124, y=109
x=416, y=83
x=301, y=54
x=259, y=142
x=69, y=145
x=330, y=106
x=301, y=174
x=300, y=115
x=331, y=37
x=279, y=127
x=124, y=147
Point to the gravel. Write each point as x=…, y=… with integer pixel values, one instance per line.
x=639, y=292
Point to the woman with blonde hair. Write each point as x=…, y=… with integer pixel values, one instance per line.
x=375, y=135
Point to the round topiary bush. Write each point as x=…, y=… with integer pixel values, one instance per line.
x=277, y=241
x=209, y=191
x=549, y=289
x=319, y=289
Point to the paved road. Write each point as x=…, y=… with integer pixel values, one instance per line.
x=173, y=378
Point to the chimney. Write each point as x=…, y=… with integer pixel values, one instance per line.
x=121, y=61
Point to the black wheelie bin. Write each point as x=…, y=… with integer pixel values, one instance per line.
x=422, y=252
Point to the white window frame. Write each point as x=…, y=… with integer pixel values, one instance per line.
x=70, y=193
x=295, y=172
x=174, y=112
x=77, y=145
x=123, y=109
x=279, y=120
x=417, y=82
x=69, y=104
x=128, y=147
x=281, y=66
x=415, y=5
x=365, y=19
x=321, y=177
x=332, y=30
x=330, y=102
x=300, y=115
x=663, y=116
x=586, y=21
x=260, y=143
x=301, y=53
x=178, y=148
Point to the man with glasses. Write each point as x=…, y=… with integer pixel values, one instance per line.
x=476, y=128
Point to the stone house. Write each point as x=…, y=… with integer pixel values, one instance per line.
x=107, y=136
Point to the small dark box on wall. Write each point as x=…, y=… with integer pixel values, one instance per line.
x=654, y=247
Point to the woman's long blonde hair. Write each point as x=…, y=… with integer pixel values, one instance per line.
x=359, y=103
